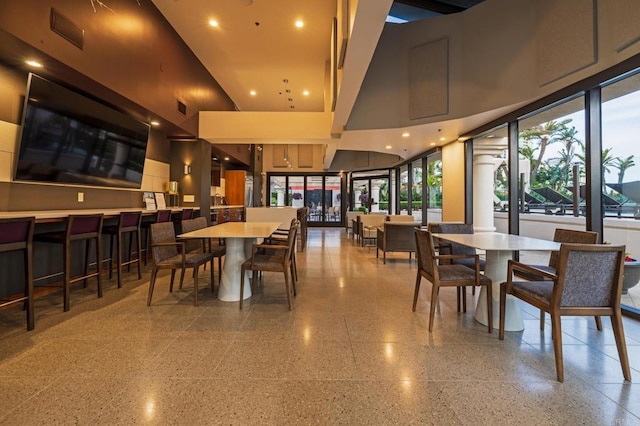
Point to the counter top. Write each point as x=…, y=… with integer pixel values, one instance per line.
x=226, y=207
x=43, y=215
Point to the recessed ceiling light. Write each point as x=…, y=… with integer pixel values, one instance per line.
x=252, y=93
x=442, y=139
x=33, y=63
x=432, y=144
x=388, y=147
x=226, y=158
x=305, y=93
x=299, y=23
x=215, y=158
x=213, y=22
x=406, y=134
x=155, y=123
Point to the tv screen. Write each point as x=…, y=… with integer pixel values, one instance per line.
x=70, y=138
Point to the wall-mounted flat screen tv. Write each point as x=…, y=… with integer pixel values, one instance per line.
x=72, y=139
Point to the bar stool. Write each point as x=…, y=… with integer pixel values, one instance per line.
x=128, y=223
x=17, y=235
x=160, y=216
x=78, y=228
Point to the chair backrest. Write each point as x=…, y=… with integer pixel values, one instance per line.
x=163, y=233
x=453, y=228
x=192, y=225
x=570, y=236
x=589, y=275
x=187, y=214
x=425, y=253
x=372, y=220
x=84, y=226
x=399, y=218
x=163, y=216
x=129, y=220
x=16, y=233
x=291, y=239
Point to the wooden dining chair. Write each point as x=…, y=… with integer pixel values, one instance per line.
x=203, y=245
x=171, y=254
x=446, y=275
x=588, y=281
x=559, y=236
x=272, y=258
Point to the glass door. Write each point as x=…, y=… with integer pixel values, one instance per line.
x=371, y=194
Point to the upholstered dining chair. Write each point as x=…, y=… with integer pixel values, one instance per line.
x=588, y=281
x=446, y=275
x=280, y=237
x=446, y=247
x=193, y=245
x=560, y=236
x=272, y=258
x=171, y=254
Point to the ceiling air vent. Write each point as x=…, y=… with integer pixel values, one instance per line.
x=182, y=108
x=64, y=27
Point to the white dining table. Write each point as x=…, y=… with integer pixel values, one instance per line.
x=239, y=238
x=499, y=249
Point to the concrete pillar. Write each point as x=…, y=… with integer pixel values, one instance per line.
x=483, y=176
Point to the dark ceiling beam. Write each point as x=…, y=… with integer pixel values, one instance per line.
x=437, y=6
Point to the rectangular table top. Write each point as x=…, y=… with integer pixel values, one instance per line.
x=499, y=241
x=235, y=230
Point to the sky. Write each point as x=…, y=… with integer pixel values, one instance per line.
x=620, y=131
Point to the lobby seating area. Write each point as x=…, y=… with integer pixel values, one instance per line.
x=351, y=351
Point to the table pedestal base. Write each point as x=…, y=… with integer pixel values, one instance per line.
x=496, y=269
x=238, y=250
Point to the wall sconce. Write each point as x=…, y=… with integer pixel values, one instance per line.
x=187, y=169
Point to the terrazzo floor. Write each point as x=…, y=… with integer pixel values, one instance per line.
x=351, y=352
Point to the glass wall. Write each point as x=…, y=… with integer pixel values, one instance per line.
x=416, y=189
x=551, y=151
x=404, y=189
x=621, y=177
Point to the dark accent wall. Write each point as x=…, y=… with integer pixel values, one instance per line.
x=131, y=53
x=197, y=154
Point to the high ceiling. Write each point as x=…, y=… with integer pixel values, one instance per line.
x=257, y=47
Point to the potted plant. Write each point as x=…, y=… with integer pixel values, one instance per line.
x=631, y=273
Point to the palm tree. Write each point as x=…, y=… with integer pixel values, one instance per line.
x=622, y=164
x=544, y=135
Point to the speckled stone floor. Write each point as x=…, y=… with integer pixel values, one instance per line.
x=351, y=352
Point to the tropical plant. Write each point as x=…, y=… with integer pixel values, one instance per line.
x=622, y=164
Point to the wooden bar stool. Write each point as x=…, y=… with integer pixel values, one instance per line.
x=17, y=235
x=160, y=216
x=85, y=228
x=128, y=223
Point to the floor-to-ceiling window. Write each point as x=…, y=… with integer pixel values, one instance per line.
x=371, y=191
x=621, y=176
x=551, y=150
x=322, y=194
x=416, y=189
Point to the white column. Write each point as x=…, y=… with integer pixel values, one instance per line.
x=375, y=198
x=483, y=165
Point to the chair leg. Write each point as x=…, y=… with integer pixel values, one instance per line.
x=287, y=286
x=489, y=308
x=139, y=250
x=293, y=279
x=119, y=259
x=618, y=332
x=463, y=289
x=195, y=286
x=87, y=246
x=152, y=284
x=99, y=263
x=598, y=323
x=181, y=278
x=542, y=320
x=212, y=275
x=220, y=269
x=67, y=276
x=432, y=308
x=28, y=289
x=242, y=273
x=503, y=302
x=556, y=331
x=110, y=256
x=416, y=291
x=173, y=276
